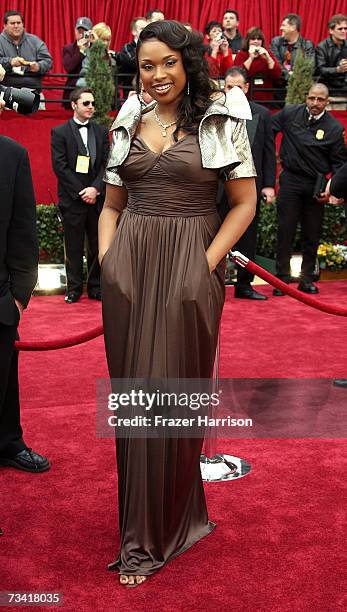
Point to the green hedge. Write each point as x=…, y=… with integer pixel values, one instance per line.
x=50, y=234
x=50, y=231
x=334, y=229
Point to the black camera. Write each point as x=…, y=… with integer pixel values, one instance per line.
x=23, y=101
x=220, y=37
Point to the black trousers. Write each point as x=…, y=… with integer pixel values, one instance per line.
x=11, y=440
x=247, y=245
x=80, y=222
x=295, y=203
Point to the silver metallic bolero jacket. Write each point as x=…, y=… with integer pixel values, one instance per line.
x=223, y=139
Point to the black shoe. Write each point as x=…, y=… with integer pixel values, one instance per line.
x=340, y=382
x=308, y=287
x=278, y=292
x=95, y=296
x=27, y=460
x=248, y=293
x=72, y=297
x=285, y=279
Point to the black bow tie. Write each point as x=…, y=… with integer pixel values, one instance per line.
x=86, y=125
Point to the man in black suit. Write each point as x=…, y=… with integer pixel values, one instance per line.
x=127, y=56
x=79, y=155
x=337, y=187
x=18, y=274
x=312, y=146
x=264, y=154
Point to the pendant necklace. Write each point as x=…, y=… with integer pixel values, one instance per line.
x=162, y=125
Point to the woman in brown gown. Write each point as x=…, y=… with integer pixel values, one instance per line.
x=163, y=275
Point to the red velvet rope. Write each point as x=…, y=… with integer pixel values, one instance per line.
x=51, y=345
x=298, y=295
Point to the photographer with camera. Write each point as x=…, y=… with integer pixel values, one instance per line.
x=261, y=65
x=218, y=54
x=74, y=54
x=24, y=56
x=101, y=31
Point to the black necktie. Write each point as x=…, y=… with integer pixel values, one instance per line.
x=86, y=125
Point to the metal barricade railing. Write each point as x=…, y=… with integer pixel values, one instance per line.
x=123, y=80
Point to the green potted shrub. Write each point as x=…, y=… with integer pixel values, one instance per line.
x=51, y=250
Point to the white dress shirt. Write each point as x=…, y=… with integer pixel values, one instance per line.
x=84, y=133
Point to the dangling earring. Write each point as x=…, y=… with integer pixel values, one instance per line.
x=141, y=95
x=188, y=88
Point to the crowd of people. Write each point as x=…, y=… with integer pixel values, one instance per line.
x=26, y=58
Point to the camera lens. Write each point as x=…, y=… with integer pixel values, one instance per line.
x=23, y=101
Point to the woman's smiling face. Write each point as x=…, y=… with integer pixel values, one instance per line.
x=161, y=71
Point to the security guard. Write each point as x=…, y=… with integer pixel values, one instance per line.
x=312, y=146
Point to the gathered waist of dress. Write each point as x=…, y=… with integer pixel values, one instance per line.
x=166, y=206
x=167, y=209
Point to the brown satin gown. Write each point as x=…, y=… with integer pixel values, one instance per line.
x=161, y=310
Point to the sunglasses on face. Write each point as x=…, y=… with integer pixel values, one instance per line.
x=88, y=102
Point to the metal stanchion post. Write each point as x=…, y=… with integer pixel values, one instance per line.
x=218, y=467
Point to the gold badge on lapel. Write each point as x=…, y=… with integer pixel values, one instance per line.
x=320, y=134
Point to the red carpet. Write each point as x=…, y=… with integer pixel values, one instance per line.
x=284, y=338
x=279, y=538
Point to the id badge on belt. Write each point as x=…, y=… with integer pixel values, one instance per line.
x=82, y=164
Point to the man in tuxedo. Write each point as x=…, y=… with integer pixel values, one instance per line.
x=18, y=273
x=79, y=155
x=264, y=154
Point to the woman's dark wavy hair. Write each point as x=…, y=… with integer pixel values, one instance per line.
x=192, y=107
x=254, y=32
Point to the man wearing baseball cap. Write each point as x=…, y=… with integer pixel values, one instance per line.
x=73, y=55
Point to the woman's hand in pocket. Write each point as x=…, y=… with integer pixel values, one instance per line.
x=211, y=265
